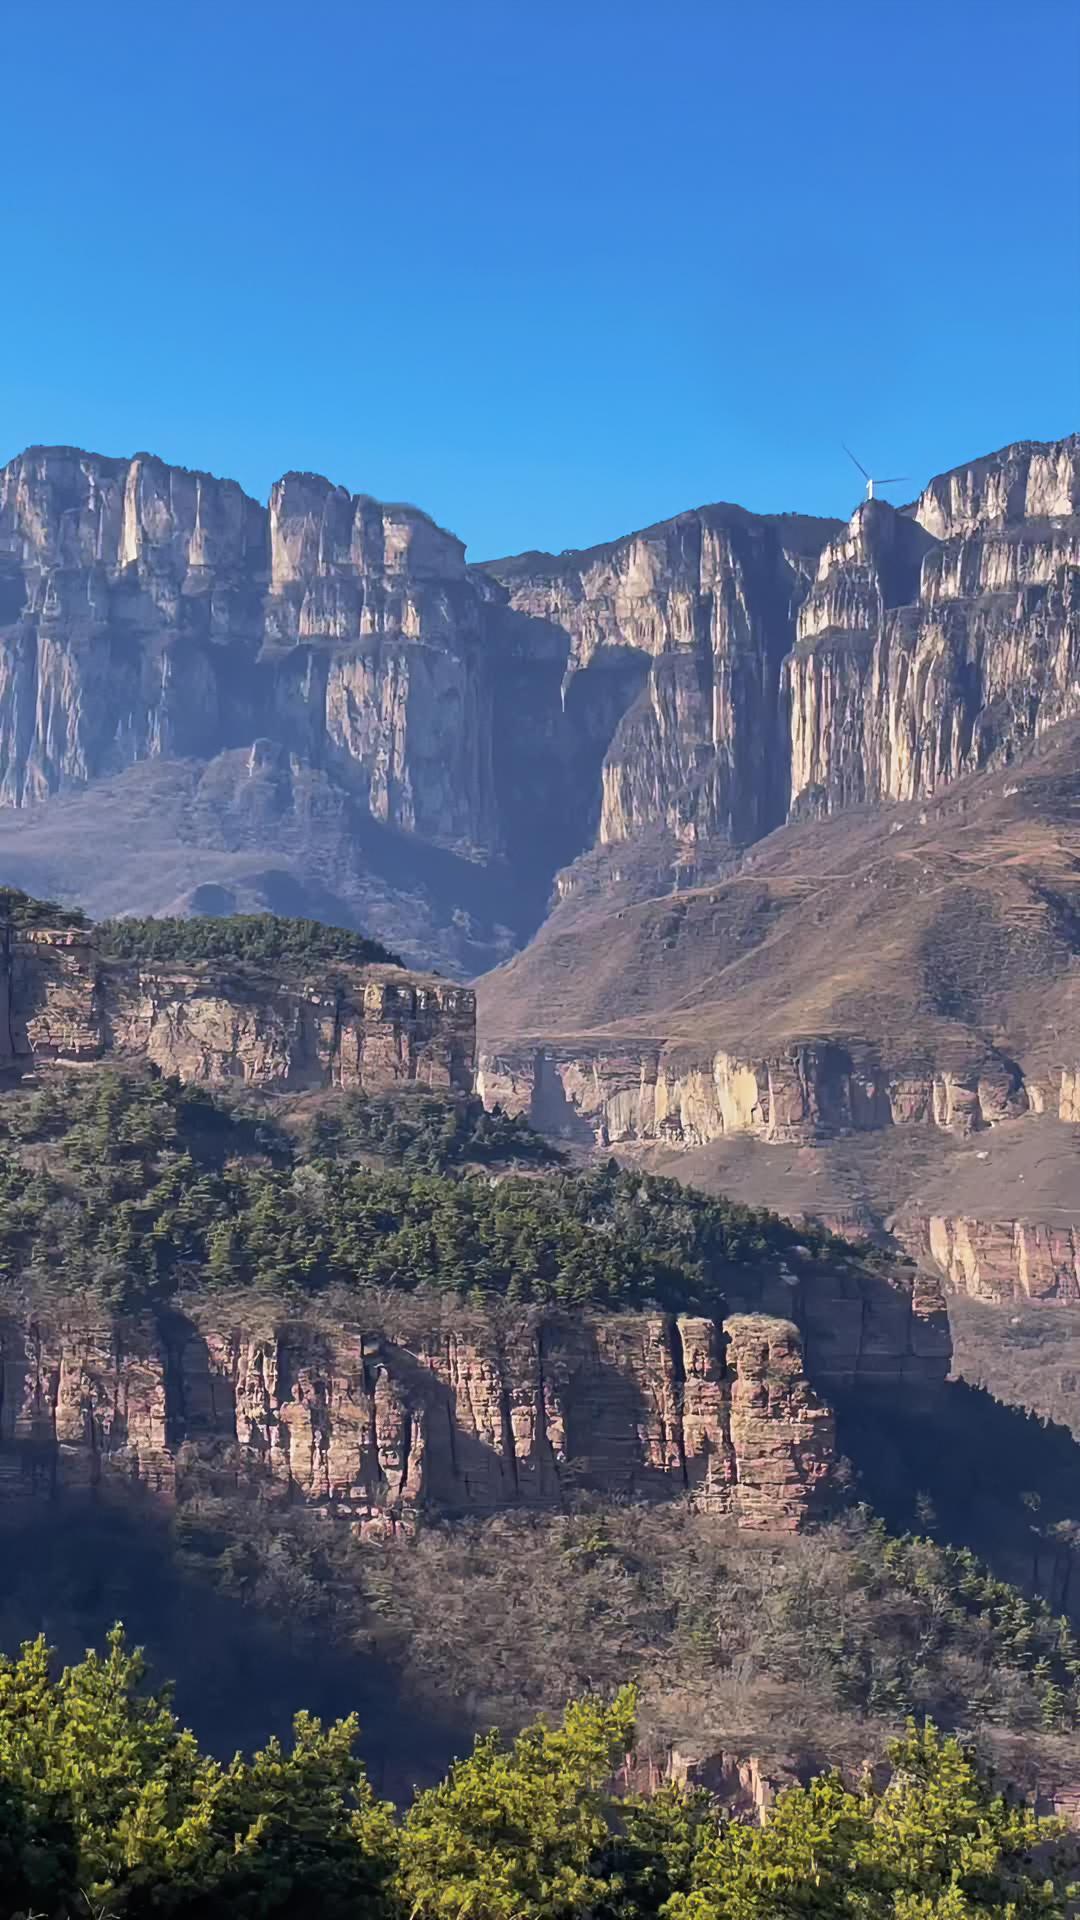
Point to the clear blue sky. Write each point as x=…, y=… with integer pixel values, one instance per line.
x=550, y=268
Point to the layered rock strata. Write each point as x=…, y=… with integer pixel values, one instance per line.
x=808, y=1092
x=464, y=1418
x=710, y=676
x=365, y=1028
x=1001, y=1260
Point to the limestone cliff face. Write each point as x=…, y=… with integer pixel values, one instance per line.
x=352, y=1027
x=1027, y=481
x=150, y=612
x=931, y=647
x=707, y=677
x=806, y=1093
x=1000, y=1260
x=705, y=606
x=125, y=586
x=462, y=1417
x=796, y=666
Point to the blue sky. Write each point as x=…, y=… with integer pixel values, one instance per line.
x=550, y=270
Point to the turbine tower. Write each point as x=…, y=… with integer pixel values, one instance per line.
x=871, y=481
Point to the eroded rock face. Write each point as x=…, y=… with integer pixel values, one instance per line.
x=454, y=1418
x=796, y=667
x=146, y=611
x=1001, y=1260
x=708, y=677
x=365, y=1028
x=807, y=1093
x=705, y=605
x=929, y=653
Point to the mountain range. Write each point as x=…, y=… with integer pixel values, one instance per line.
x=767, y=824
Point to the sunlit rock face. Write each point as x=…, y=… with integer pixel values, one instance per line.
x=706, y=678
x=696, y=615
x=928, y=653
x=368, y=1029
x=379, y=1425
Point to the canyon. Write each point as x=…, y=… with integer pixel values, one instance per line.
x=766, y=823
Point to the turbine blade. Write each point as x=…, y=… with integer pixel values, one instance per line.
x=893, y=481
x=858, y=463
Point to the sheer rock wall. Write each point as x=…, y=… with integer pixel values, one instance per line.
x=367, y=1028
x=806, y=1093
x=463, y=1417
x=709, y=675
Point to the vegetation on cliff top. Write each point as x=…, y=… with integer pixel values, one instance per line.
x=107, y=1806
x=140, y=1187
x=18, y=909
x=426, y=1132
x=253, y=939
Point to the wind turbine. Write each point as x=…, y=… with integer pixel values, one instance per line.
x=894, y=480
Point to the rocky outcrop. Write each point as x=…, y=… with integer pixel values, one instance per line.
x=150, y=612
x=794, y=667
x=809, y=1092
x=926, y=654
x=1000, y=1260
x=464, y=1416
x=365, y=1028
x=705, y=604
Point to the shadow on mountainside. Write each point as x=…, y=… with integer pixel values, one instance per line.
x=973, y=1471
x=72, y=1568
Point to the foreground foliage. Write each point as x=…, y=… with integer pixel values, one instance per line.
x=108, y=1807
x=933, y=1843
x=142, y=1187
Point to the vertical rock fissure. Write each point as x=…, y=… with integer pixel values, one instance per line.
x=678, y=1375
x=729, y=1373
x=406, y=1453
x=509, y=1444
x=542, y=1436
x=176, y=1413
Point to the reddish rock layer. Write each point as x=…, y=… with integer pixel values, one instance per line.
x=468, y=1419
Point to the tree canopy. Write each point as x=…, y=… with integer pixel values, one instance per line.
x=109, y=1808
x=257, y=939
x=143, y=1188
x=21, y=909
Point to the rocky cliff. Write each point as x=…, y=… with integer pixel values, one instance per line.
x=462, y=1414
x=357, y=711
x=807, y=792
x=365, y=1028
x=793, y=666
x=1002, y=1260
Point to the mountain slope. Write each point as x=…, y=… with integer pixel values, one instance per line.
x=876, y=1014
